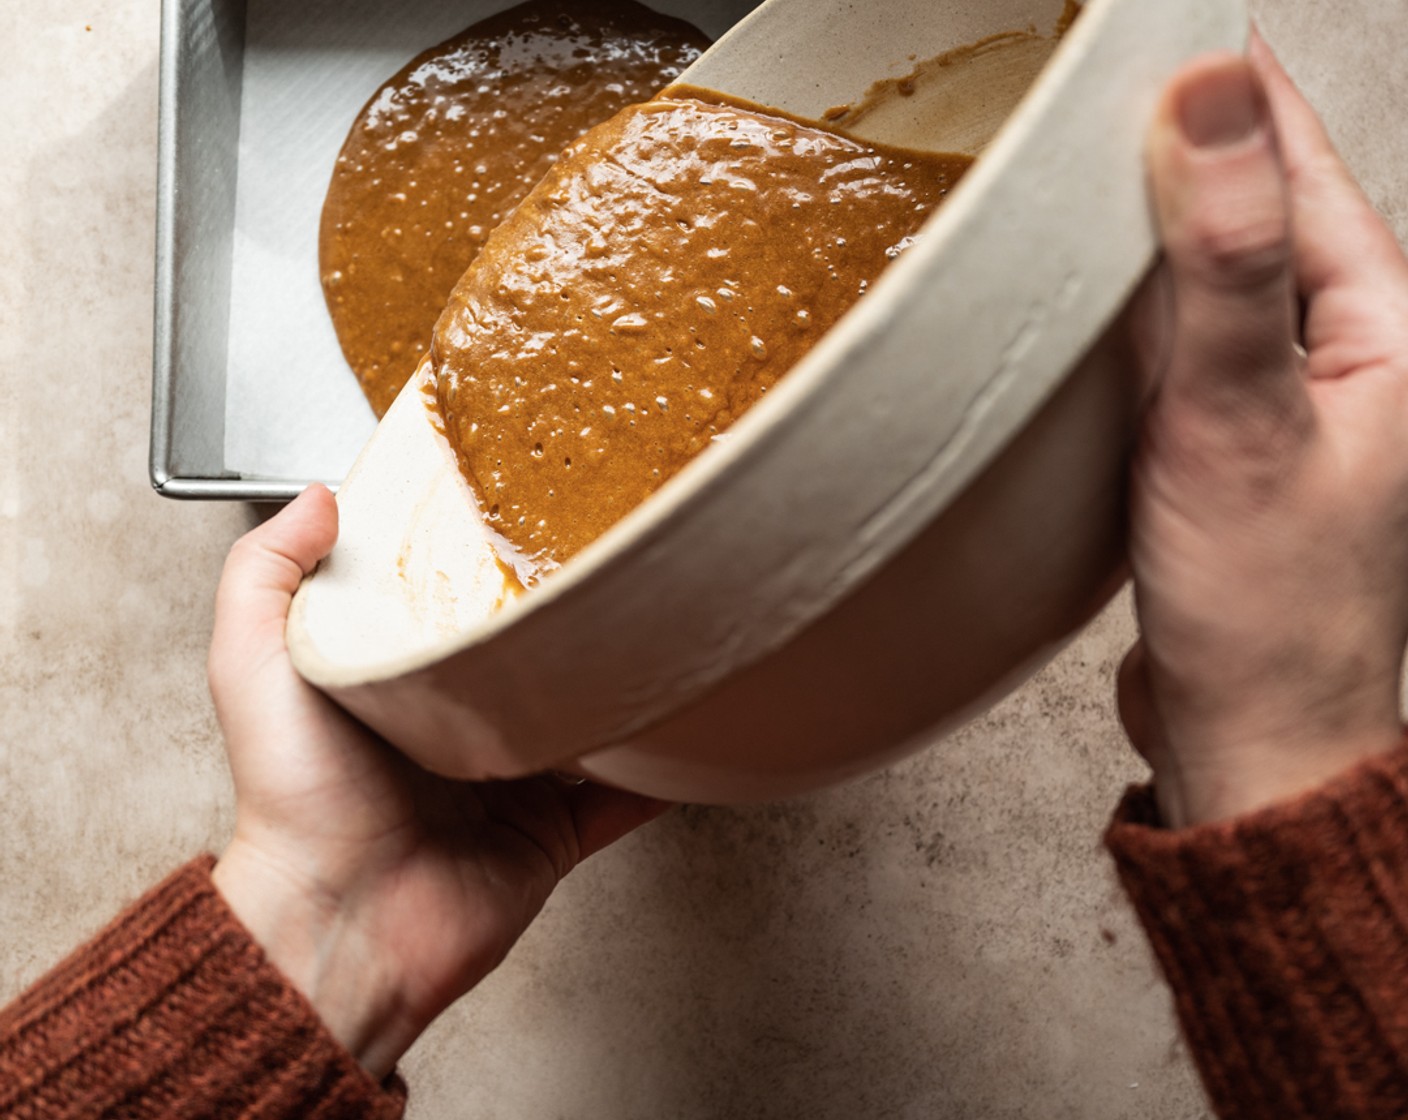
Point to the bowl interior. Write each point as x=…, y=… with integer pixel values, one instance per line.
x=413, y=576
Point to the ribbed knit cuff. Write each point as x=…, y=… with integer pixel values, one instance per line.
x=174, y=1011
x=1284, y=936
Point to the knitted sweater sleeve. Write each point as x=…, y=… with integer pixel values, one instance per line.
x=173, y=1010
x=1284, y=936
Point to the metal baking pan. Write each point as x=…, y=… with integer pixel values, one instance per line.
x=202, y=49
x=209, y=50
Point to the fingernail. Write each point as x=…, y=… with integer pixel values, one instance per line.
x=1222, y=107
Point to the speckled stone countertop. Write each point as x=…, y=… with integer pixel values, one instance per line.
x=944, y=939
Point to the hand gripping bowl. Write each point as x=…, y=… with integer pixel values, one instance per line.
x=904, y=529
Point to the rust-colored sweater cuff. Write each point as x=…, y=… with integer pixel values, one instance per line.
x=173, y=1010
x=1284, y=936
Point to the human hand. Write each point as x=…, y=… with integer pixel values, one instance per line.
x=381, y=891
x=1269, y=516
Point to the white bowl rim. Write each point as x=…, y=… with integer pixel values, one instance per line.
x=726, y=464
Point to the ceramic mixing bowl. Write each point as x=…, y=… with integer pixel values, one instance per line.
x=913, y=520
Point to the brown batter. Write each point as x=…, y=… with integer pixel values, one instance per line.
x=450, y=145
x=665, y=273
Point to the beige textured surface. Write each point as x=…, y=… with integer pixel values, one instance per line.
x=941, y=940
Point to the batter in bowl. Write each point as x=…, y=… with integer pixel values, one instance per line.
x=674, y=263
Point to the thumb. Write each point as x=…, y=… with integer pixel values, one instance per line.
x=1223, y=209
x=261, y=574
